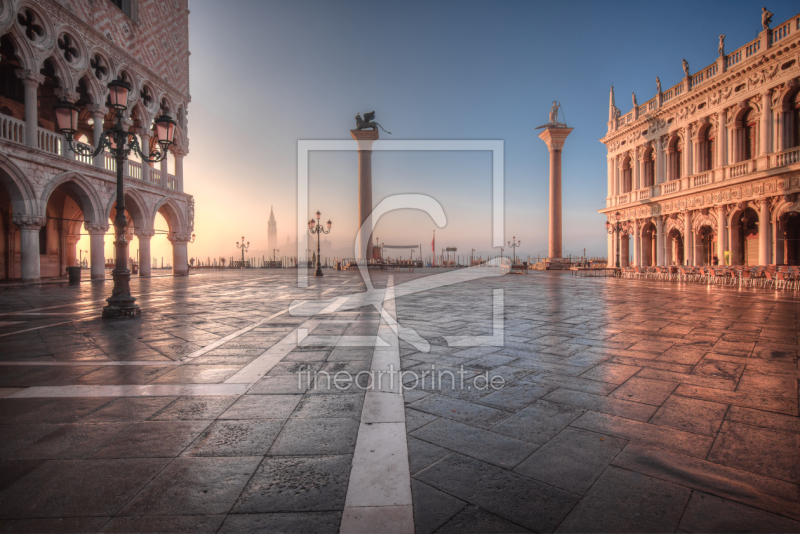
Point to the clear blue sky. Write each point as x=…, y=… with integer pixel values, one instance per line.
x=267, y=73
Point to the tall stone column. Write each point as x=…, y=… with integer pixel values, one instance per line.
x=636, y=178
x=660, y=173
x=30, y=82
x=145, y=261
x=98, y=117
x=610, y=162
x=764, y=233
x=29, y=227
x=365, y=138
x=144, y=137
x=660, y=258
x=722, y=137
x=554, y=137
x=180, y=254
x=164, y=174
x=97, y=252
x=722, y=232
x=72, y=250
x=688, y=153
x=179, y=153
x=637, y=249
x=688, y=241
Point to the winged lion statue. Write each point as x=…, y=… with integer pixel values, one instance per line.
x=367, y=122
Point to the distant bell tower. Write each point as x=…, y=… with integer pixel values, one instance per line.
x=272, y=231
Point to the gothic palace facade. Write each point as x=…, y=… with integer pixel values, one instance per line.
x=711, y=166
x=52, y=50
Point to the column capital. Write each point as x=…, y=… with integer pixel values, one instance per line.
x=127, y=122
x=29, y=222
x=67, y=94
x=554, y=137
x=365, y=138
x=73, y=239
x=143, y=132
x=95, y=228
x=144, y=234
x=29, y=77
x=97, y=109
x=178, y=237
x=179, y=151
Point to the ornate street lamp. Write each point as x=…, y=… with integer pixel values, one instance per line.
x=244, y=249
x=513, y=244
x=274, y=250
x=617, y=228
x=120, y=144
x=193, y=238
x=315, y=227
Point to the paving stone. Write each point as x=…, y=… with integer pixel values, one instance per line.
x=422, y=454
x=598, y=403
x=154, y=439
x=279, y=385
x=707, y=513
x=316, y=522
x=689, y=379
x=759, y=450
x=58, y=411
x=262, y=407
x=72, y=441
x=658, y=436
x=432, y=508
x=194, y=486
x=474, y=520
x=316, y=436
x=747, y=488
x=539, y=422
x=208, y=407
x=236, y=438
x=759, y=402
x=481, y=444
x=128, y=409
x=691, y=415
x=13, y=470
x=61, y=525
x=763, y=419
x=568, y=382
x=624, y=501
x=500, y=492
x=644, y=390
x=349, y=405
x=297, y=484
x=516, y=395
x=189, y=524
x=416, y=419
x=14, y=437
x=459, y=410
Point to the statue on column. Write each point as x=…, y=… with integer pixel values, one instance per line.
x=658, y=85
x=721, y=45
x=553, y=118
x=686, y=68
x=367, y=122
x=766, y=18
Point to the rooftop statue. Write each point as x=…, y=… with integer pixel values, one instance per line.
x=721, y=45
x=686, y=67
x=367, y=122
x=766, y=18
x=658, y=85
x=633, y=98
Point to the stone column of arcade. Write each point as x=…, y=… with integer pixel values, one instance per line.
x=145, y=262
x=97, y=253
x=29, y=246
x=554, y=137
x=180, y=254
x=365, y=138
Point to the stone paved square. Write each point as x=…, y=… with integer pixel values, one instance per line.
x=694, y=434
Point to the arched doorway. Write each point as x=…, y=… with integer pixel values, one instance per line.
x=790, y=222
x=748, y=237
x=705, y=247
x=649, y=245
x=674, y=247
x=68, y=207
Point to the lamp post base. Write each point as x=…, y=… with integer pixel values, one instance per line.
x=121, y=304
x=318, y=272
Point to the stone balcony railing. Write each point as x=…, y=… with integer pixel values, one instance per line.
x=13, y=130
x=787, y=157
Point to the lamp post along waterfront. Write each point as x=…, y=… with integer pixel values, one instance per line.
x=120, y=144
x=315, y=227
x=244, y=248
x=513, y=244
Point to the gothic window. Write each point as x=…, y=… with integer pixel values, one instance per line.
x=30, y=25
x=147, y=96
x=650, y=168
x=99, y=68
x=68, y=49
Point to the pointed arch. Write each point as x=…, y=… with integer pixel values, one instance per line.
x=22, y=48
x=136, y=206
x=23, y=197
x=84, y=190
x=173, y=214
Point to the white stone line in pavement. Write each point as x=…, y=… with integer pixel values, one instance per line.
x=331, y=308
x=223, y=340
x=379, y=491
x=258, y=368
x=159, y=390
